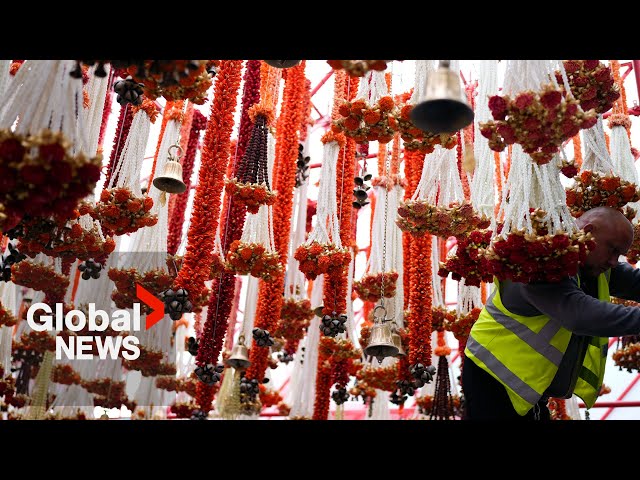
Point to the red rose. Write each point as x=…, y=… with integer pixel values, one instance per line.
x=571, y=65
x=591, y=64
x=89, y=173
x=498, y=107
x=523, y=100
x=11, y=150
x=588, y=122
x=602, y=74
x=54, y=152
x=569, y=171
x=560, y=241
x=588, y=93
x=551, y=99
x=589, y=104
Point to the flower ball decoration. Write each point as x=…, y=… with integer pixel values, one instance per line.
x=383, y=378
x=318, y=258
x=592, y=190
x=539, y=121
x=65, y=375
x=253, y=195
x=591, y=83
x=461, y=325
x=370, y=286
x=119, y=211
x=7, y=319
x=175, y=79
x=417, y=139
x=538, y=256
x=367, y=123
x=419, y=217
x=467, y=261
x=40, y=176
x=253, y=259
x=358, y=68
x=440, y=317
x=39, y=277
x=295, y=318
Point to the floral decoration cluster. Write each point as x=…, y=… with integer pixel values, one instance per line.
x=416, y=139
x=39, y=277
x=591, y=190
x=419, y=217
x=591, y=83
x=252, y=258
x=367, y=123
x=369, y=287
x=467, y=261
x=358, y=68
x=462, y=324
x=538, y=256
x=119, y=211
x=539, y=121
x=125, y=279
x=253, y=195
x=320, y=258
x=40, y=176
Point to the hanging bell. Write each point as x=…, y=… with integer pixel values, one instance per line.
x=397, y=341
x=381, y=340
x=171, y=179
x=444, y=108
x=239, y=358
x=282, y=63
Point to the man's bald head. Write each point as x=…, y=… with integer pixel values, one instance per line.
x=613, y=235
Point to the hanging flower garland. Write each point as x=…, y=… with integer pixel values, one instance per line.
x=35, y=275
x=540, y=121
x=591, y=83
x=155, y=281
x=420, y=291
x=358, y=68
x=627, y=354
x=592, y=190
x=371, y=116
x=467, y=261
x=206, y=206
x=633, y=255
x=437, y=206
x=120, y=211
x=284, y=178
x=295, y=318
x=198, y=122
x=125, y=119
x=537, y=256
x=461, y=325
x=7, y=319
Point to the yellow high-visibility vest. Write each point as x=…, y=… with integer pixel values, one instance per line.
x=524, y=353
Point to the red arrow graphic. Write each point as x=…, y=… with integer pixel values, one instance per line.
x=157, y=306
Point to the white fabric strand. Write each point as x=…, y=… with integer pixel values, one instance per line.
x=596, y=154
x=482, y=186
x=423, y=69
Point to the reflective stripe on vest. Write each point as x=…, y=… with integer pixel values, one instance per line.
x=538, y=341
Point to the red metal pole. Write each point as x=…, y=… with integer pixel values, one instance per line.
x=622, y=395
x=615, y=404
x=322, y=82
x=636, y=71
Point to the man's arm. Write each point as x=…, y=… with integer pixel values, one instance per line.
x=625, y=282
x=580, y=313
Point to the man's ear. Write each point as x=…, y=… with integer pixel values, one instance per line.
x=588, y=227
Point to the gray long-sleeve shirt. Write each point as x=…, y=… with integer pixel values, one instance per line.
x=578, y=309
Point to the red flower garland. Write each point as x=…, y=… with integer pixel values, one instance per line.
x=591, y=83
x=270, y=295
x=369, y=287
x=468, y=262
x=38, y=277
x=119, y=211
x=233, y=218
x=122, y=132
x=206, y=205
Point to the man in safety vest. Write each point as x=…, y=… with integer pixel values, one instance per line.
x=540, y=340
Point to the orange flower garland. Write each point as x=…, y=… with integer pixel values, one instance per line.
x=295, y=317
x=126, y=279
x=7, y=319
x=461, y=326
x=420, y=297
x=270, y=294
x=366, y=123
x=206, y=206
x=119, y=211
x=317, y=259
x=369, y=287
x=38, y=277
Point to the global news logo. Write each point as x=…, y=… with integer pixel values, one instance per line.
x=41, y=318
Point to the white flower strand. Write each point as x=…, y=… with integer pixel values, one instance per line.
x=596, y=154
x=436, y=280
x=250, y=307
x=327, y=229
x=423, y=69
x=469, y=297
x=397, y=259
x=304, y=392
x=440, y=182
x=482, y=185
x=372, y=87
x=624, y=163
x=126, y=172
x=97, y=91
x=5, y=76
x=523, y=75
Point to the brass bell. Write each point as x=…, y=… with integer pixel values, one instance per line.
x=397, y=341
x=282, y=63
x=239, y=358
x=444, y=108
x=171, y=179
x=381, y=340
